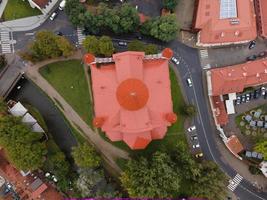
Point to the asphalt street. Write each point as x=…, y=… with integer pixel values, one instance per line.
x=189, y=67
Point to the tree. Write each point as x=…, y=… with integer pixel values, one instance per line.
x=3, y=61
x=92, y=183
x=23, y=147
x=64, y=46
x=106, y=46
x=210, y=183
x=153, y=178
x=136, y=45
x=151, y=49
x=129, y=18
x=164, y=28
x=261, y=147
x=3, y=107
x=91, y=44
x=85, y=156
x=75, y=11
x=170, y=4
x=190, y=110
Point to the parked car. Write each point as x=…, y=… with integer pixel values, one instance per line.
x=189, y=82
x=247, y=97
x=191, y=128
x=194, y=137
x=238, y=100
x=175, y=60
x=251, y=58
x=252, y=44
x=122, y=43
x=262, y=54
x=256, y=94
x=59, y=33
x=199, y=155
x=243, y=98
x=53, y=16
x=62, y=5
x=196, y=145
x=263, y=91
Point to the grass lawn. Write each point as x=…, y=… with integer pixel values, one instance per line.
x=68, y=78
x=16, y=9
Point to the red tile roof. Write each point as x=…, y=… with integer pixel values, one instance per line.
x=233, y=79
x=38, y=191
x=261, y=6
x=220, y=111
x=234, y=145
x=216, y=31
x=41, y=3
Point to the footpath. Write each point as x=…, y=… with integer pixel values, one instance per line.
x=109, y=152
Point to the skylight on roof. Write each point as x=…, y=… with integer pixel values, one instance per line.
x=228, y=9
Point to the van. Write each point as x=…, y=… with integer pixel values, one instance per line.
x=62, y=5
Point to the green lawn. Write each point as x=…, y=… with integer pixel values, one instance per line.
x=16, y=9
x=68, y=78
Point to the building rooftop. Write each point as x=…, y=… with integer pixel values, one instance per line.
x=225, y=22
x=41, y=3
x=132, y=96
x=261, y=6
x=233, y=79
x=234, y=145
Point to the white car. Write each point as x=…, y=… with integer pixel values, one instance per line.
x=175, y=60
x=195, y=146
x=189, y=82
x=191, y=128
x=53, y=16
x=62, y=5
x=263, y=91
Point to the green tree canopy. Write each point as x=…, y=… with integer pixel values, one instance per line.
x=136, y=45
x=261, y=147
x=190, y=110
x=75, y=11
x=91, y=44
x=106, y=46
x=23, y=147
x=151, y=49
x=164, y=28
x=85, y=156
x=3, y=107
x=64, y=46
x=170, y=4
x=155, y=177
x=129, y=18
x=3, y=61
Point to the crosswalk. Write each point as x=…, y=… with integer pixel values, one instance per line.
x=80, y=35
x=6, y=42
x=235, y=182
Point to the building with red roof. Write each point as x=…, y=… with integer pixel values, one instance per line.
x=225, y=22
x=231, y=80
x=261, y=8
x=132, y=96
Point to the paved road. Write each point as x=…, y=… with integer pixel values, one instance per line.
x=189, y=67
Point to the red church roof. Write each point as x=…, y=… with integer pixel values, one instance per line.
x=225, y=23
x=132, y=97
x=261, y=6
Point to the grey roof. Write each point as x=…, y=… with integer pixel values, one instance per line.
x=265, y=117
x=37, y=128
x=252, y=123
x=36, y=184
x=28, y=119
x=248, y=118
x=260, y=123
x=257, y=114
x=18, y=110
x=260, y=156
x=248, y=154
x=254, y=154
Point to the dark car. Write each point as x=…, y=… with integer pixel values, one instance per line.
x=251, y=58
x=59, y=33
x=252, y=44
x=256, y=94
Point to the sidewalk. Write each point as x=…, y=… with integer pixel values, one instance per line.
x=2, y=7
x=23, y=24
x=109, y=152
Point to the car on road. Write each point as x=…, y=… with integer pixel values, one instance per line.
x=62, y=5
x=122, y=43
x=189, y=82
x=194, y=137
x=175, y=60
x=251, y=58
x=262, y=54
x=191, y=128
x=59, y=33
x=252, y=44
x=53, y=16
x=263, y=91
